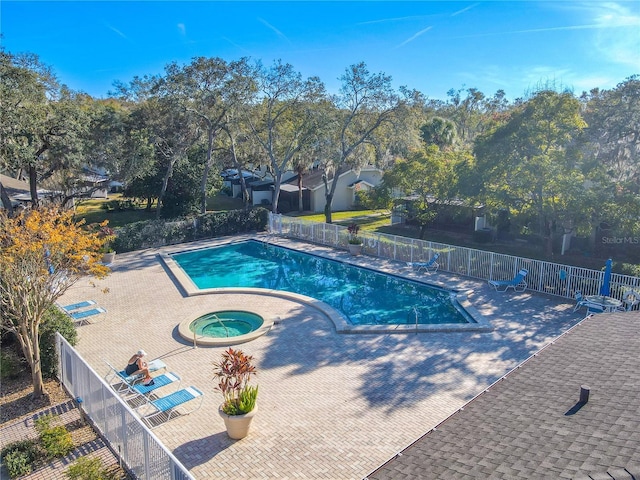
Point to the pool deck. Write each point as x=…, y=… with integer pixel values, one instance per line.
x=331, y=406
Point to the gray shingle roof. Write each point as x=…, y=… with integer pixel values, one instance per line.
x=530, y=424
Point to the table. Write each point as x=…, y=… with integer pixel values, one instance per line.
x=608, y=304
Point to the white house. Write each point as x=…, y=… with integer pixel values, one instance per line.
x=346, y=193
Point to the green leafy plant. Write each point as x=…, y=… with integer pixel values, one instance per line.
x=88, y=469
x=54, y=321
x=19, y=457
x=233, y=372
x=9, y=366
x=57, y=440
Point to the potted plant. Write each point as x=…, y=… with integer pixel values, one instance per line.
x=107, y=235
x=355, y=242
x=233, y=372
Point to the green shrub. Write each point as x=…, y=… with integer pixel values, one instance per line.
x=54, y=321
x=88, y=469
x=9, y=366
x=156, y=233
x=17, y=464
x=57, y=440
x=19, y=457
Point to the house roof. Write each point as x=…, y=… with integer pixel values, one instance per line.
x=14, y=186
x=530, y=423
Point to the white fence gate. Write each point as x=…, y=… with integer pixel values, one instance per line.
x=140, y=450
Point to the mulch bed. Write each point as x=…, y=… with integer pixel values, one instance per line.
x=17, y=403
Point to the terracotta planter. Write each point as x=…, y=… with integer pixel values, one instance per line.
x=108, y=258
x=355, y=249
x=237, y=425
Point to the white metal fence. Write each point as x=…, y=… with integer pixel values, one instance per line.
x=546, y=277
x=140, y=450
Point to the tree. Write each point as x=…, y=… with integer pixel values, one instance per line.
x=525, y=162
x=44, y=125
x=42, y=254
x=439, y=131
x=429, y=176
x=287, y=117
x=208, y=89
x=365, y=104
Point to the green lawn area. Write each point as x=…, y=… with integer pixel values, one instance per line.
x=368, y=220
x=92, y=209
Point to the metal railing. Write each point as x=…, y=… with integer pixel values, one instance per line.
x=140, y=450
x=545, y=277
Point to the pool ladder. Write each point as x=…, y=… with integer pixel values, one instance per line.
x=415, y=311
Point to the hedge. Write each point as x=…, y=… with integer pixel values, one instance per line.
x=157, y=233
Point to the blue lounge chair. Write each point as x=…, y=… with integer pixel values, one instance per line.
x=168, y=405
x=140, y=389
x=77, y=306
x=430, y=266
x=517, y=283
x=120, y=381
x=81, y=316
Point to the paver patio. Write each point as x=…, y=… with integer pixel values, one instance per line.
x=331, y=406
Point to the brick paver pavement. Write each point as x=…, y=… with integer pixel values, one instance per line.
x=331, y=406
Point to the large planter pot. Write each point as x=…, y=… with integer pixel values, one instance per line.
x=355, y=248
x=108, y=258
x=237, y=425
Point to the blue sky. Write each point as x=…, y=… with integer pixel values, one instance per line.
x=427, y=45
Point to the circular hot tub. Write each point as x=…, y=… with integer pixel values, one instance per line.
x=227, y=327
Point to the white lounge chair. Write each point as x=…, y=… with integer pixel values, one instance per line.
x=583, y=302
x=517, y=283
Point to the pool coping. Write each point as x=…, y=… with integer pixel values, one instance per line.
x=340, y=323
x=203, y=341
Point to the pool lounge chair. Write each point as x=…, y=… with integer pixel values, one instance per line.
x=430, y=266
x=155, y=412
x=140, y=389
x=120, y=381
x=77, y=306
x=517, y=283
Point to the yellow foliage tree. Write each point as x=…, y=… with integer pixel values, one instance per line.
x=43, y=252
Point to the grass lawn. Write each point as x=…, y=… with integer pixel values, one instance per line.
x=92, y=209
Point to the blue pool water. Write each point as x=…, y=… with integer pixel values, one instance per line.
x=363, y=296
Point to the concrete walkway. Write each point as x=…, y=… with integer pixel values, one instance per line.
x=331, y=406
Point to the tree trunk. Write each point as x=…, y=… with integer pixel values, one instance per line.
x=33, y=186
x=300, y=202
x=205, y=174
x=6, y=201
x=165, y=182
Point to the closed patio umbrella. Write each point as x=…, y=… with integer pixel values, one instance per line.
x=605, y=289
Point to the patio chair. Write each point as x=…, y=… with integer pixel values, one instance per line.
x=631, y=298
x=430, y=266
x=124, y=381
x=583, y=302
x=77, y=306
x=164, y=408
x=517, y=283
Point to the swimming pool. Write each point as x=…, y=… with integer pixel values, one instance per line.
x=361, y=295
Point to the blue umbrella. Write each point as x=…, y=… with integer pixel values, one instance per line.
x=605, y=288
